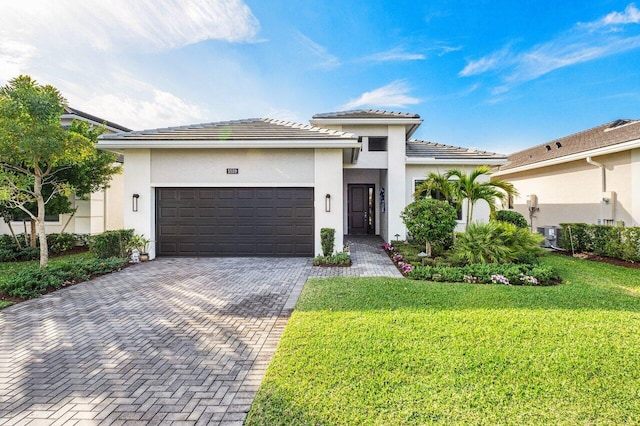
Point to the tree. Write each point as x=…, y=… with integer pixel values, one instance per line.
x=430, y=223
x=456, y=186
x=35, y=149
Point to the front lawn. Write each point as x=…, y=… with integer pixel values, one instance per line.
x=396, y=351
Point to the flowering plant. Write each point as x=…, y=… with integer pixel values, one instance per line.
x=406, y=268
x=529, y=279
x=501, y=279
x=470, y=279
x=398, y=258
x=387, y=246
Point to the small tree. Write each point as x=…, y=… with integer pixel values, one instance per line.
x=34, y=149
x=430, y=222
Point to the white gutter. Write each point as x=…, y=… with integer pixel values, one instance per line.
x=453, y=161
x=208, y=144
x=573, y=157
x=350, y=121
x=604, y=172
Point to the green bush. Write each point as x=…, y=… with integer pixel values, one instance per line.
x=59, y=243
x=327, y=239
x=516, y=274
x=338, y=259
x=33, y=282
x=111, y=244
x=513, y=217
x=8, y=254
x=630, y=244
x=620, y=243
x=577, y=233
x=431, y=220
x=495, y=242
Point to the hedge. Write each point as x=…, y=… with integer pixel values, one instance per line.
x=111, y=244
x=610, y=241
x=33, y=282
x=506, y=273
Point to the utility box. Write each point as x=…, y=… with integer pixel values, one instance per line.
x=532, y=200
x=551, y=235
x=608, y=207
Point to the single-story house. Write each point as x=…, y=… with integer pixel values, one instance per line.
x=592, y=176
x=102, y=210
x=265, y=187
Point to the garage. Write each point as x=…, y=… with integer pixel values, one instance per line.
x=242, y=222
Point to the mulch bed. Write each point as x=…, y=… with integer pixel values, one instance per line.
x=601, y=259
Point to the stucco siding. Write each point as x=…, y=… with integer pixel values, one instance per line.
x=572, y=192
x=262, y=167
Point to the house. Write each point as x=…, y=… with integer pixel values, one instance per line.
x=592, y=176
x=102, y=211
x=264, y=187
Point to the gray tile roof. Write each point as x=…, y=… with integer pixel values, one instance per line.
x=249, y=129
x=418, y=148
x=608, y=134
x=74, y=111
x=365, y=113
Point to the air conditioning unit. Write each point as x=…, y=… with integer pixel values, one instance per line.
x=551, y=235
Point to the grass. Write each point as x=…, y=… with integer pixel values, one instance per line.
x=8, y=269
x=392, y=351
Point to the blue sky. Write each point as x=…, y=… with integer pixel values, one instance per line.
x=494, y=75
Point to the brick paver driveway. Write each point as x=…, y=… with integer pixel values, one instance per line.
x=168, y=341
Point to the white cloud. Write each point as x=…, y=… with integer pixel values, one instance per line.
x=631, y=15
x=395, y=95
x=324, y=59
x=582, y=43
x=116, y=25
x=396, y=54
x=84, y=47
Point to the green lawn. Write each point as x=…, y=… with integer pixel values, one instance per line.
x=7, y=269
x=395, y=351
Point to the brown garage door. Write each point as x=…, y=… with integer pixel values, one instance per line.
x=234, y=221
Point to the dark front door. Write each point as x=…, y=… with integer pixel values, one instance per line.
x=234, y=222
x=361, y=209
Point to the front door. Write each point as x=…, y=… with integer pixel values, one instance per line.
x=361, y=209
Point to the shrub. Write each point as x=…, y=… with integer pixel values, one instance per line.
x=338, y=259
x=327, y=240
x=512, y=217
x=32, y=282
x=432, y=221
x=577, y=233
x=509, y=273
x=495, y=242
x=59, y=243
x=8, y=254
x=111, y=243
x=621, y=243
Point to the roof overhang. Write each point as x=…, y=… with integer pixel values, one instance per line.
x=455, y=161
x=573, y=157
x=411, y=124
x=123, y=144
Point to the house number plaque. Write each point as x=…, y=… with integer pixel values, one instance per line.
x=232, y=171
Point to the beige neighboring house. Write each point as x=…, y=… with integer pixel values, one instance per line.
x=591, y=176
x=265, y=187
x=103, y=210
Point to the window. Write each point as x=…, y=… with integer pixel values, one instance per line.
x=47, y=218
x=435, y=194
x=377, y=144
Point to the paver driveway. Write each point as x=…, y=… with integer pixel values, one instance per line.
x=168, y=341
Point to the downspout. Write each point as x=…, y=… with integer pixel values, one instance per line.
x=604, y=175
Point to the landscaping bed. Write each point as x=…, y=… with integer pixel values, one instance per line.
x=396, y=351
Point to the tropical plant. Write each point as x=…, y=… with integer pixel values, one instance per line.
x=495, y=242
x=430, y=223
x=456, y=186
x=327, y=240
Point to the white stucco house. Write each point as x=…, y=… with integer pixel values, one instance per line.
x=592, y=176
x=102, y=210
x=264, y=187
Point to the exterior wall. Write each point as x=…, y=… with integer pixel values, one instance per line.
x=114, y=203
x=319, y=168
x=396, y=182
x=327, y=171
x=572, y=192
x=635, y=187
x=361, y=176
x=384, y=213
x=137, y=180
x=263, y=167
x=373, y=159
x=417, y=172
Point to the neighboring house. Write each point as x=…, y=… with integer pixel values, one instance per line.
x=591, y=176
x=263, y=187
x=102, y=210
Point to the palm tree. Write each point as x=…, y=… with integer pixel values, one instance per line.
x=469, y=188
x=440, y=183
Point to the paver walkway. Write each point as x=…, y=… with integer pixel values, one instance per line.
x=185, y=341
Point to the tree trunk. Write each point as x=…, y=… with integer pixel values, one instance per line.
x=33, y=234
x=44, y=250
x=26, y=234
x=13, y=234
x=73, y=213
